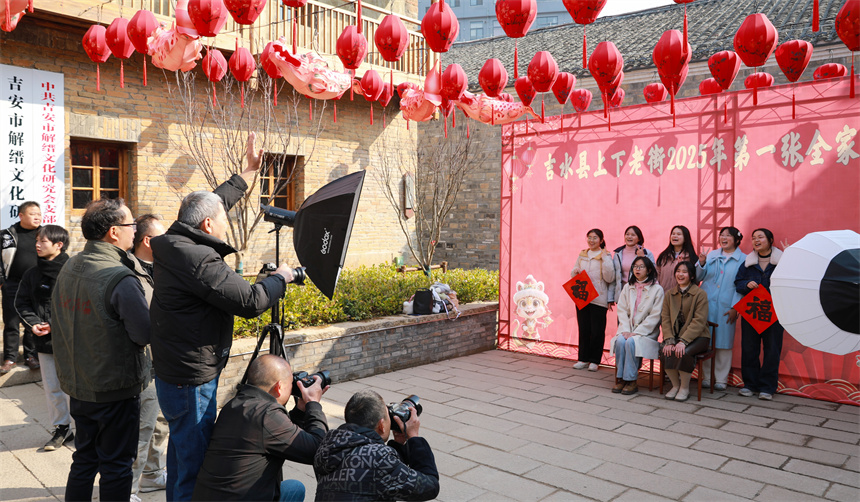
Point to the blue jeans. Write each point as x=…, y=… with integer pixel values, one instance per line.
x=190, y=412
x=292, y=491
x=626, y=363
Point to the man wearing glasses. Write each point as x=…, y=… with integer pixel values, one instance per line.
x=100, y=323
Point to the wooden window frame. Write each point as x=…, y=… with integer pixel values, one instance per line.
x=96, y=188
x=287, y=197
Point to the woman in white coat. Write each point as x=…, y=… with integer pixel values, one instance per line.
x=639, y=309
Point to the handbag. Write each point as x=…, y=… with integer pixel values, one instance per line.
x=423, y=302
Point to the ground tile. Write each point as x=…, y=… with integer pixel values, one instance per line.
x=545, y=437
x=480, y=435
x=820, y=432
x=574, y=482
x=598, y=421
x=689, y=418
x=485, y=421
x=772, y=493
x=703, y=494
x=451, y=465
x=766, y=433
x=509, y=462
x=787, y=480
x=745, y=453
x=497, y=481
x=843, y=493
x=611, y=438
x=833, y=474
x=647, y=420
x=671, y=486
x=807, y=453
x=827, y=445
x=663, y=436
x=535, y=420
x=454, y=490
x=560, y=458
x=744, y=418
x=687, y=455
x=633, y=495
x=621, y=456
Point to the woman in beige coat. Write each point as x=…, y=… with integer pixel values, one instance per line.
x=640, y=306
x=591, y=319
x=685, y=330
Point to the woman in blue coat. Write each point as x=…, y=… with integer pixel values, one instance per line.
x=718, y=271
x=761, y=377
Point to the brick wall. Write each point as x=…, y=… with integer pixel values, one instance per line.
x=471, y=237
x=148, y=121
x=359, y=349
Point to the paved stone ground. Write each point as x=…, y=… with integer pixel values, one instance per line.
x=508, y=426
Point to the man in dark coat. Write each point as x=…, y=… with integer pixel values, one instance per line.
x=254, y=436
x=196, y=296
x=354, y=464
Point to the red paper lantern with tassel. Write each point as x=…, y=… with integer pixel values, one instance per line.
x=685, y=2
x=271, y=69
x=208, y=16
x=793, y=57
x=297, y=4
x=584, y=12
x=848, y=28
x=447, y=109
x=612, y=88
x=116, y=38
x=515, y=18
x=671, y=57
x=605, y=64
x=139, y=29
x=245, y=11
x=184, y=24
x=724, y=67
x=351, y=47
x=242, y=66
x=96, y=48
x=655, y=92
x=385, y=98
x=617, y=98
x=525, y=90
x=391, y=38
x=756, y=81
x=830, y=70
x=215, y=67
x=563, y=86
x=580, y=99
x=710, y=86
x=493, y=77
x=371, y=85
x=440, y=27
x=543, y=70
x=755, y=40
x=454, y=82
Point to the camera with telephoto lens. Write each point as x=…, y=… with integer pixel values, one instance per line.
x=401, y=411
x=306, y=380
x=269, y=269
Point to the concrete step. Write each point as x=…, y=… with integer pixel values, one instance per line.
x=20, y=375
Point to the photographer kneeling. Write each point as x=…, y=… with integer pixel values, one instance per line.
x=353, y=462
x=254, y=435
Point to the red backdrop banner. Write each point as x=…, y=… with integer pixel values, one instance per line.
x=726, y=162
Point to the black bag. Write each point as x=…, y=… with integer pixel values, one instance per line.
x=423, y=302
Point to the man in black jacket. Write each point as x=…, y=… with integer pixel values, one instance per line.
x=354, y=464
x=196, y=296
x=254, y=435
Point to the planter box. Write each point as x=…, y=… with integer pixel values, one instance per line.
x=359, y=349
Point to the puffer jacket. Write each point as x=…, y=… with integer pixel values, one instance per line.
x=601, y=271
x=33, y=301
x=354, y=464
x=196, y=296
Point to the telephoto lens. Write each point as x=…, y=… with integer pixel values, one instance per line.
x=306, y=380
x=401, y=411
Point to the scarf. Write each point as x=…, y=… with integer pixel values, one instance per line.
x=640, y=287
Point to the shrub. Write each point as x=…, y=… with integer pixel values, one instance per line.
x=367, y=292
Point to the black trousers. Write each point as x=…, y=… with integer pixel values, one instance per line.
x=687, y=362
x=591, y=320
x=12, y=326
x=106, y=443
x=760, y=355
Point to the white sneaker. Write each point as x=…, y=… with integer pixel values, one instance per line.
x=134, y=498
x=706, y=384
x=719, y=386
x=581, y=365
x=765, y=396
x=592, y=367
x=745, y=392
x=151, y=484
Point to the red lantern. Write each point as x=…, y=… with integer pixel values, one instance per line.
x=139, y=29
x=562, y=87
x=296, y=4
x=543, y=70
x=613, y=87
x=269, y=67
x=655, y=92
x=710, y=86
x=391, y=38
x=215, y=67
x=184, y=25
x=386, y=94
x=580, y=99
x=793, y=57
x=447, y=108
x=351, y=47
x=756, y=81
x=515, y=18
x=724, y=66
x=829, y=70
x=617, y=98
x=96, y=48
x=671, y=57
x=454, y=82
x=245, y=11
x=848, y=28
x=584, y=12
x=755, y=40
x=525, y=90
x=371, y=86
x=242, y=66
x=493, y=77
x=440, y=27
x=433, y=87
x=685, y=2
x=208, y=16
x=116, y=38
x=605, y=65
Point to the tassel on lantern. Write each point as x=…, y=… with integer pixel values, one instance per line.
x=492, y=114
x=9, y=20
x=609, y=121
x=214, y=98
x=516, y=61
x=335, y=112
x=755, y=95
x=30, y=6
x=605, y=107
x=446, y=127
x=242, y=87
x=685, y=26
x=467, y=129
x=351, y=81
x=121, y=75
x=726, y=111
x=454, y=119
x=275, y=93
x=99, y=74
x=815, y=16
x=295, y=44
x=542, y=118
x=144, y=70
x=371, y=113
x=852, y=76
x=584, y=48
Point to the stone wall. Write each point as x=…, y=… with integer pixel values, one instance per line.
x=359, y=349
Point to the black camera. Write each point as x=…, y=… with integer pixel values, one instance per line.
x=306, y=380
x=401, y=411
x=268, y=269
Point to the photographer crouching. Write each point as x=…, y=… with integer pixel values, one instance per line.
x=353, y=462
x=254, y=435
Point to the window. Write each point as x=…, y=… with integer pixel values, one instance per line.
x=547, y=21
x=98, y=170
x=476, y=29
x=456, y=3
x=161, y=7
x=278, y=183
x=476, y=2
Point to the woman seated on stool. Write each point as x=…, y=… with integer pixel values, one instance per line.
x=639, y=310
x=685, y=330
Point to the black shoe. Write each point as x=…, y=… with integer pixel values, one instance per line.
x=32, y=363
x=62, y=434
